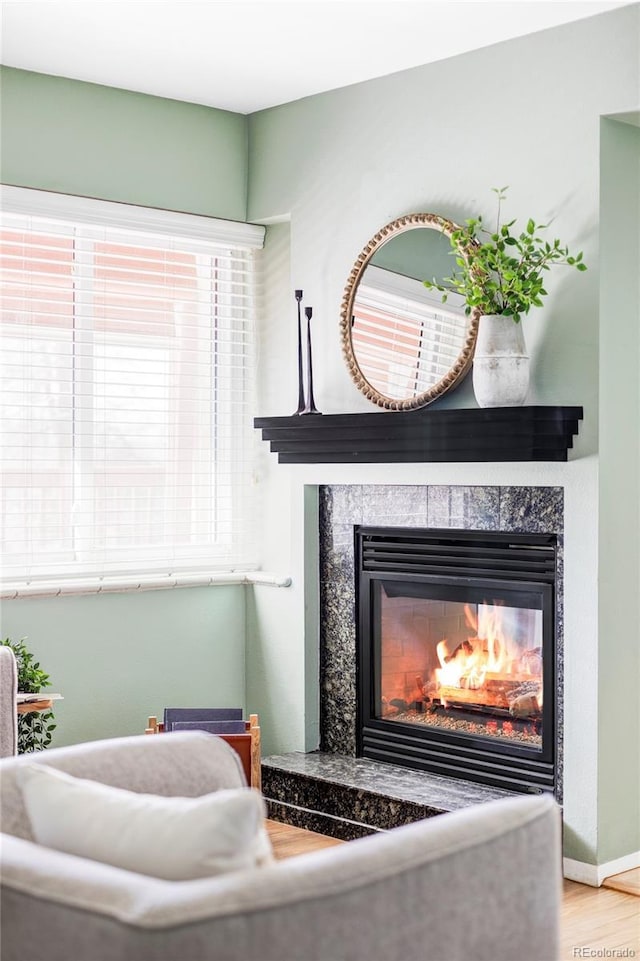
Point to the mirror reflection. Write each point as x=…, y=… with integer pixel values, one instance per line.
x=403, y=345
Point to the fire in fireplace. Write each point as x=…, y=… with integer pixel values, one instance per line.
x=456, y=661
x=461, y=666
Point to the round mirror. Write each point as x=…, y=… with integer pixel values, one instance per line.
x=403, y=346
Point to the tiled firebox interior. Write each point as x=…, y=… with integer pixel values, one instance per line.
x=507, y=509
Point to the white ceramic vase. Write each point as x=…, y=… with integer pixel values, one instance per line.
x=500, y=363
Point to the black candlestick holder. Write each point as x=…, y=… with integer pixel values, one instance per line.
x=301, y=400
x=310, y=406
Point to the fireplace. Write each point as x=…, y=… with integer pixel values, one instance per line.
x=456, y=653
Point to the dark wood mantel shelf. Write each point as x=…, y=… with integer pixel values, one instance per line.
x=475, y=434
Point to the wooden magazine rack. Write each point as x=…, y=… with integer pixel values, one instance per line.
x=246, y=745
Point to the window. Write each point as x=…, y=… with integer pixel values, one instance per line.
x=127, y=377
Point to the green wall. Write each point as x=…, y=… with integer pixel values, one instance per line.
x=94, y=141
x=119, y=657
x=437, y=138
x=619, y=501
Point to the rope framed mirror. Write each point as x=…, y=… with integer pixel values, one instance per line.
x=404, y=348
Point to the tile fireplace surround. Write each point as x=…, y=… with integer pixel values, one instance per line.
x=303, y=788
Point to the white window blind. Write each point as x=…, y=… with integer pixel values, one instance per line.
x=127, y=379
x=426, y=337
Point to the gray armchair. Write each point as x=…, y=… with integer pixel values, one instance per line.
x=479, y=885
x=8, y=706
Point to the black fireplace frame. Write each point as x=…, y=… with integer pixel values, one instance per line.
x=453, y=558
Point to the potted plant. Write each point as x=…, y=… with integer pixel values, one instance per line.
x=36, y=728
x=500, y=275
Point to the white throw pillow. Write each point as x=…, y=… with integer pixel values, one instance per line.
x=176, y=838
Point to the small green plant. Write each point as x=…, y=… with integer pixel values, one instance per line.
x=36, y=728
x=500, y=272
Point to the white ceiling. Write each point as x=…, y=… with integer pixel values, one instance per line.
x=244, y=56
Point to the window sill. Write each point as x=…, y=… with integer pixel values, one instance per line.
x=135, y=585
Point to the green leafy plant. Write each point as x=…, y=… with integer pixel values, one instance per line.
x=500, y=271
x=35, y=729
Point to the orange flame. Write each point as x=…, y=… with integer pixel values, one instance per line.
x=487, y=655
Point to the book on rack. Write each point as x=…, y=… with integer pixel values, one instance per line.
x=199, y=715
x=213, y=727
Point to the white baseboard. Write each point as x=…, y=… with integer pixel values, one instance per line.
x=595, y=874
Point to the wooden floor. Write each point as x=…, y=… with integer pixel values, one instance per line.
x=598, y=919
x=288, y=842
x=629, y=882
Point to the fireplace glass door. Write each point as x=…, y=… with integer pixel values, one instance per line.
x=457, y=656
x=459, y=659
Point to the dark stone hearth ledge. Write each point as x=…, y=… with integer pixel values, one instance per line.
x=343, y=828
x=479, y=435
x=439, y=794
